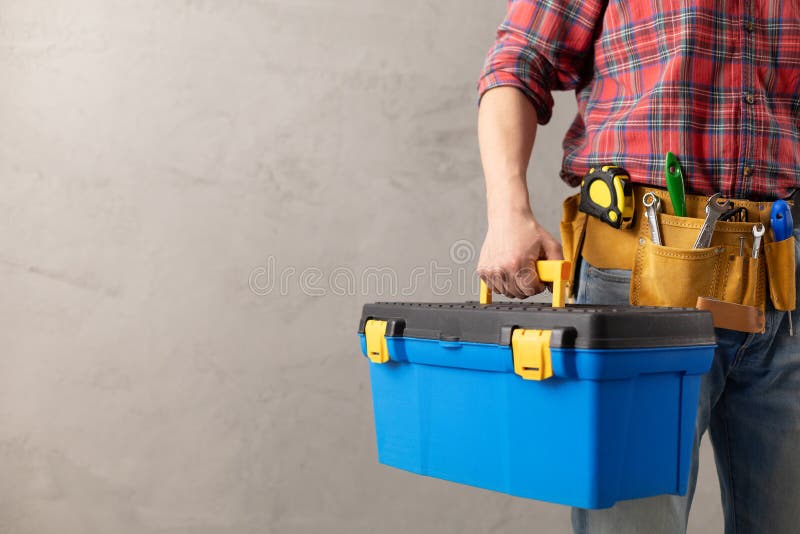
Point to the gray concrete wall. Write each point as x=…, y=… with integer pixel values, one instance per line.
x=156, y=158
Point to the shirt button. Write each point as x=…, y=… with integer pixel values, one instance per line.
x=747, y=171
x=750, y=98
x=749, y=26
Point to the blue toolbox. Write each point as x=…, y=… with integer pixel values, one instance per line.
x=576, y=405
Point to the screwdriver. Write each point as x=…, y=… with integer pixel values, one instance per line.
x=674, y=177
x=781, y=222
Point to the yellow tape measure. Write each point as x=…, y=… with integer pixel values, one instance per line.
x=606, y=193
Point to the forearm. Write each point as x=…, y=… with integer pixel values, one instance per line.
x=506, y=133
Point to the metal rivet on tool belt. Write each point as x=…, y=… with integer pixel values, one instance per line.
x=641, y=241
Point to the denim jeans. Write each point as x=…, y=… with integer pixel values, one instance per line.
x=750, y=405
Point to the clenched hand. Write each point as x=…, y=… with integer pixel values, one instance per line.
x=508, y=257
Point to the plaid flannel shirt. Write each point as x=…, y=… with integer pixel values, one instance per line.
x=715, y=82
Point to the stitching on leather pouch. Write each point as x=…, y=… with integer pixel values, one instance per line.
x=696, y=224
x=725, y=279
x=728, y=270
x=685, y=256
x=637, y=272
x=715, y=277
x=681, y=224
x=761, y=290
x=728, y=227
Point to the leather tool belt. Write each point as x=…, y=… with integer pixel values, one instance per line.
x=676, y=274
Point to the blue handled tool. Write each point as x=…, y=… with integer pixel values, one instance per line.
x=780, y=219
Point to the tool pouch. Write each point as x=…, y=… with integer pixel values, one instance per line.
x=672, y=276
x=780, y=256
x=677, y=274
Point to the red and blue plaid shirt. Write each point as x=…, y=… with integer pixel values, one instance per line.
x=717, y=83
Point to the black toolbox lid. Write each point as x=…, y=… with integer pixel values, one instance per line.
x=579, y=326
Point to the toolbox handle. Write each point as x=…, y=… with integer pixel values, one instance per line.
x=555, y=271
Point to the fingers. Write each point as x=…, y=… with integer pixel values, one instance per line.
x=552, y=249
x=508, y=257
x=499, y=281
x=513, y=289
x=493, y=277
x=528, y=281
x=512, y=282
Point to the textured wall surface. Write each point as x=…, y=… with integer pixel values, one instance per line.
x=160, y=162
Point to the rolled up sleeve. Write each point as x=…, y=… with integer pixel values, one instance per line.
x=542, y=46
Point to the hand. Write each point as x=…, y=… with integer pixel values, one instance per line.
x=508, y=257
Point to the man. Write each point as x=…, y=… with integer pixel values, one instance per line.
x=717, y=83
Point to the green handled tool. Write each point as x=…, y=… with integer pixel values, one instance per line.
x=677, y=193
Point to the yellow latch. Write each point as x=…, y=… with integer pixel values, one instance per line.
x=375, y=332
x=531, y=353
x=555, y=271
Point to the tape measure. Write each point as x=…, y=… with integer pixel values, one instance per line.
x=606, y=193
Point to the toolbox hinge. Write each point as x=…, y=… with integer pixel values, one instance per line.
x=375, y=333
x=530, y=350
